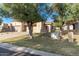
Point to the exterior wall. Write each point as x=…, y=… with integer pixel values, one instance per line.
x=49, y=28
x=1, y=27
x=77, y=26
x=37, y=28
x=18, y=27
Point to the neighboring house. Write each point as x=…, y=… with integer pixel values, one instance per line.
x=42, y=27
x=75, y=24
x=37, y=27
x=1, y=26
x=20, y=27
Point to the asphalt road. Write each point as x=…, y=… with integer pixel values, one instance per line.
x=5, y=52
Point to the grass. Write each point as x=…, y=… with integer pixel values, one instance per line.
x=45, y=43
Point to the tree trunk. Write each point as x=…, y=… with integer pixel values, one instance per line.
x=0, y=23
x=30, y=27
x=23, y=27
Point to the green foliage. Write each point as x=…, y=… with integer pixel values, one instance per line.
x=66, y=12
x=58, y=24
x=28, y=12
x=3, y=13
x=23, y=12
x=60, y=8
x=74, y=11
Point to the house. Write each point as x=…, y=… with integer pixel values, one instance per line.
x=75, y=24
x=20, y=27
x=37, y=27
x=1, y=27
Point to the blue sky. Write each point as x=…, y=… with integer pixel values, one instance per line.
x=48, y=15
x=7, y=20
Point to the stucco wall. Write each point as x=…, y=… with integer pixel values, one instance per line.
x=18, y=27
x=37, y=28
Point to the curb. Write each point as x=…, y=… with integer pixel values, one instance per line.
x=26, y=50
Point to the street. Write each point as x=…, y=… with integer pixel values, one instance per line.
x=5, y=52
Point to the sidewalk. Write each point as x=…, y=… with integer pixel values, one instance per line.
x=7, y=35
x=26, y=50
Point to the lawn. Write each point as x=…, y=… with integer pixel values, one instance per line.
x=45, y=43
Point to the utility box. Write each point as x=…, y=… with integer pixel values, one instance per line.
x=55, y=35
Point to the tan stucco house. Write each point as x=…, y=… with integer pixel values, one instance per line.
x=19, y=27
x=37, y=27
x=22, y=27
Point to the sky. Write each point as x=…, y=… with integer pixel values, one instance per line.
x=46, y=13
x=7, y=20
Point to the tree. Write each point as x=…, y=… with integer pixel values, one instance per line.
x=63, y=10
x=58, y=7
x=26, y=13
x=74, y=11
x=3, y=13
x=0, y=21
x=67, y=11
